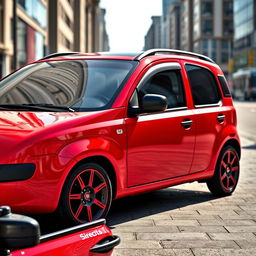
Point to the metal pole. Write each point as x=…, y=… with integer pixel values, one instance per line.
x=14, y=29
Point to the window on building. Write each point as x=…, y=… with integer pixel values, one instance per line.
x=67, y=20
x=36, y=10
x=203, y=85
x=21, y=43
x=207, y=27
x=166, y=83
x=228, y=27
x=65, y=17
x=228, y=8
x=207, y=9
x=68, y=43
x=39, y=47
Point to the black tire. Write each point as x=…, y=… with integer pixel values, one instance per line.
x=226, y=175
x=86, y=195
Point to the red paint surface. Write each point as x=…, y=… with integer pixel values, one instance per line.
x=73, y=244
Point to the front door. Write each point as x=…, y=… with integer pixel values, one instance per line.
x=160, y=145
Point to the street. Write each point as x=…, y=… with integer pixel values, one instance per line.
x=187, y=219
x=246, y=113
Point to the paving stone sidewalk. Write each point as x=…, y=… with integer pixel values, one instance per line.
x=188, y=220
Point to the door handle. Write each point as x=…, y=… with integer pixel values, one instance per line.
x=186, y=123
x=221, y=118
x=106, y=244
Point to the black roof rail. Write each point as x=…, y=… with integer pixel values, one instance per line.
x=59, y=54
x=172, y=51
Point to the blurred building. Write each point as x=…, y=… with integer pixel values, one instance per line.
x=173, y=36
x=244, y=34
x=186, y=24
x=153, y=36
x=47, y=26
x=30, y=32
x=165, y=31
x=103, y=35
x=213, y=30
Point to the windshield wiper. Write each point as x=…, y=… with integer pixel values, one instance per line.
x=36, y=107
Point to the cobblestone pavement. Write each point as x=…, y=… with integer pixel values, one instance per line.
x=188, y=220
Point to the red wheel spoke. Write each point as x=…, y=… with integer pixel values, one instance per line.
x=75, y=196
x=78, y=212
x=81, y=182
x=89, y=212
x=100, y=187
x=100, y=204
x=223, y=164
x=233, y=160
x=233, y=180
x=227, y=183
x=223, y=176
x=234, y=169
x=229, y=154
x=91, y=178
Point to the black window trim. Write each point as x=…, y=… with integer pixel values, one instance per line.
x=160, y=68
x=219, y=103
x=229, y=95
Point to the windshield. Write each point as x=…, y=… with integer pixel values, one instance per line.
x=80, y=84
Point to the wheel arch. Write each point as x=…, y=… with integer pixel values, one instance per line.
x=235, y=144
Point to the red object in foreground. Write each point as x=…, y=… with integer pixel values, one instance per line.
x=21, y=235
x=79, y=130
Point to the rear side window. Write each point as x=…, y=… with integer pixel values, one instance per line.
x=224, y=86
x=203, y=85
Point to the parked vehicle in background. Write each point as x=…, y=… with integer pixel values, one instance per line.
x=244, y=84
x=79, y=130
x=21, y=235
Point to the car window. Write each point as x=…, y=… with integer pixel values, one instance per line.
x=167, y=83
x=82, y=85
x=203, y=85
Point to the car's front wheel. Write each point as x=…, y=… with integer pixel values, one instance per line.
x=87, y=194
x=226, y=175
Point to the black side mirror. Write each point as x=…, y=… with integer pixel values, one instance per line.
x=17, y=231
x=151, y=103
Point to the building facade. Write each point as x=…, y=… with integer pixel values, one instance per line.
x=103, y=35
x=165, y=26
x=244, y=34
x=29, y=35
x=153, y=36
x=46, y=26
x=186, y=25
x=174, y=26
x=213, y=30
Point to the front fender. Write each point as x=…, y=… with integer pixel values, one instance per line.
x=108, y=148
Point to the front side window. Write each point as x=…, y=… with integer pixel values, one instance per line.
x=203, y=85
x=79, y=84
x=167, y=83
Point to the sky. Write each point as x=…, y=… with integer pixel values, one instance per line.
x=128, y=21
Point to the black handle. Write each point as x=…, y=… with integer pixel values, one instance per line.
x=106, y=244
x=221, y=118
x=186, y=123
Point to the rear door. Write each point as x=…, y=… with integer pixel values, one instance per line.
x=160, y=145
x=210, y=114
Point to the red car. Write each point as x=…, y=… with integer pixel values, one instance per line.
x=79, y=130
x=21, y=235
